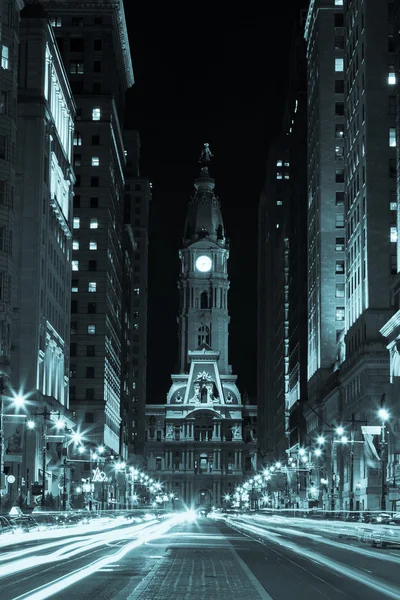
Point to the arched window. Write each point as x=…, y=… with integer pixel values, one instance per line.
x=204, y=300
x=203, y=335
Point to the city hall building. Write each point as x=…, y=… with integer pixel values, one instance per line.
x=201, y=443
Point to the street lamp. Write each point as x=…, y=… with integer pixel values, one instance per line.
x=384, y=416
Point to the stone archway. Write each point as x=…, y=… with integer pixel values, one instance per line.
x=203, y=498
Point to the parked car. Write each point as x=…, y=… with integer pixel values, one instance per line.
x=6, y=525
x=26, y=524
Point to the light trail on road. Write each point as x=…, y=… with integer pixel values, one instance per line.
x=48, y=590
x=379, y=585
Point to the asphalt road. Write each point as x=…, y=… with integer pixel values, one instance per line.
x=235, y=558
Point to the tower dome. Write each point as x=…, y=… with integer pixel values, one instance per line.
x=204, y=218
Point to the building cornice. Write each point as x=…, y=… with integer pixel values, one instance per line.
x=308, y=20
x=94, y=6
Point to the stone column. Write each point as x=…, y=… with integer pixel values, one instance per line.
x=215, y=431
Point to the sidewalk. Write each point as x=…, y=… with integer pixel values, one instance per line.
x=200, y=574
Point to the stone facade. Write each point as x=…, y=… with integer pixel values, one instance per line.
x=202, y=441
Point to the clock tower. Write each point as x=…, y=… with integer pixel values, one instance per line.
x=203, y=282
x=202, y=441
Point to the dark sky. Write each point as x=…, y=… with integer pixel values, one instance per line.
x=202, y=78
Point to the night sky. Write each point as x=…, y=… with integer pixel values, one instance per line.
x=201, y=78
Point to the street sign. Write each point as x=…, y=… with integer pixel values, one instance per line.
x=393, y=494
x=36, y=489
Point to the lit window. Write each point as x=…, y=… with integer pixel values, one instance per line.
x=76, y=223
x=74, y=288
x=339, y=152
x=279, y=202
x=92, y=286
x=93, y=224
x=96, y=114
x=56, y=22
x=286, y=175
x=339, y=269
x=340, y=313
x=76, y=67
x=95, y=161
x=77, y=139
x=392, y=76
x=4, y=57
x=287, y=164
x=338, y=2
x=279, y=163
x=393, y=206
x=75, y=265
x=339, y=290
x=392, y=137
x=393, y=234
x=340, y=246
x=339, y=221
x=92, y=245
x=91, y=329
x=339, y=65
x=279, y=175
x=75, y=245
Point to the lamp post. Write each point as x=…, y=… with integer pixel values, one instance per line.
x=2, y=476
x=384, y=416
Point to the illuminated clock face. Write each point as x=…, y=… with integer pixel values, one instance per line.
x=203, y=264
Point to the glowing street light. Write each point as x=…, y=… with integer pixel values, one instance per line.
x=321, y=440
x=344, y=439
x=60, y=424
x=100, y=449
x=383, y=414
x=318, y=452
x=339, y=430
x=76, y=437
x=19, y=400
x=31, y=424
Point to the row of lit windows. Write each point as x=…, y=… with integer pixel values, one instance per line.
x=92, y=286
x=78, y=139
x=92, y=245
x=93, y=223
x=95, y=161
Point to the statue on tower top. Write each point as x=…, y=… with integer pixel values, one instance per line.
x=206, y=155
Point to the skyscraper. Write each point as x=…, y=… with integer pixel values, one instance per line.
x=94, y=44
x=137, y=200
x=352, y=233
x=282, y=264
x=202, y=440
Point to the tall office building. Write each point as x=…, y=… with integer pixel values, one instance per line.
x=282, y=280
x=136, y=224
x=324, y=34
x=94, y=45
x=352, y=232
x=202, y=440
x=9, y=21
